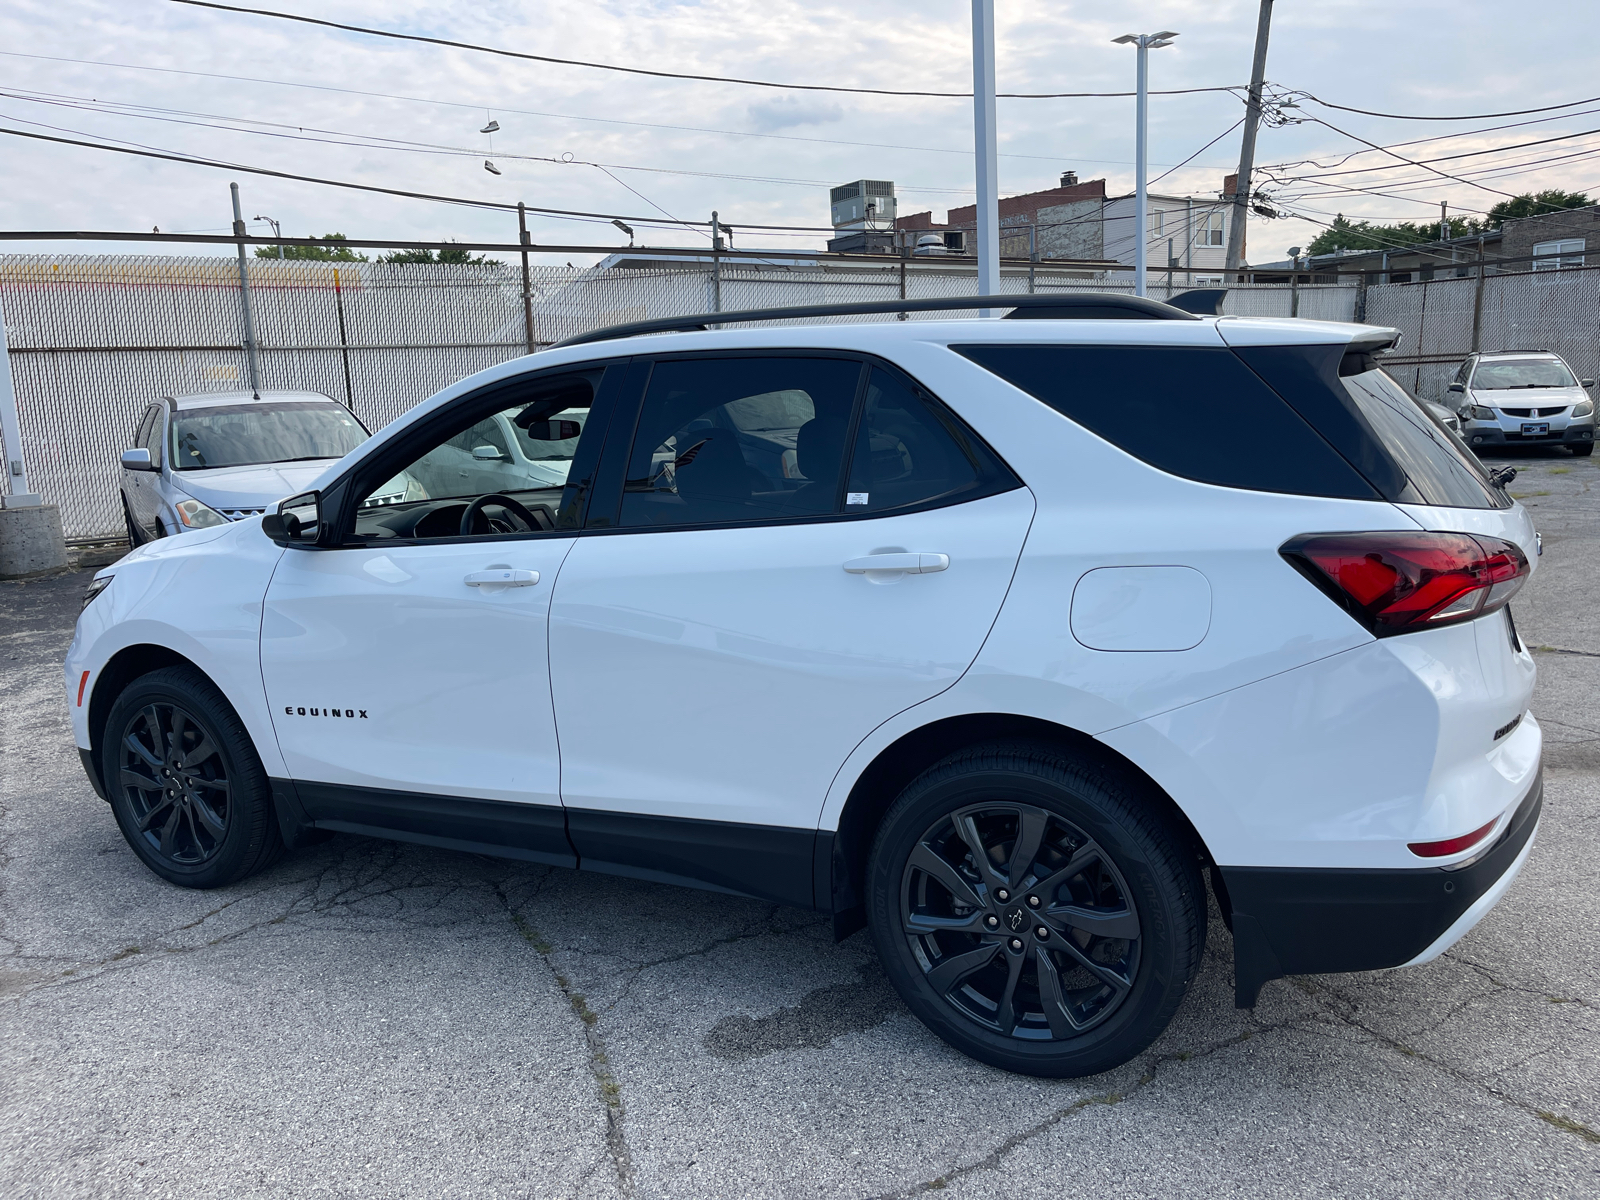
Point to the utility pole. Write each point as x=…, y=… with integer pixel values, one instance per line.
x=244, y=297
x=716, y=263
x=527, y=284
x=1444, y=222
x=1247, y=151
x=985, y=151
x=1144, y=43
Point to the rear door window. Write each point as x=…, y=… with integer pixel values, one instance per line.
x=1441, y=470
x=908, y=451
x=1192, y=411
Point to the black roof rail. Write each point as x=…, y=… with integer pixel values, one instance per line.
x=1082, y=306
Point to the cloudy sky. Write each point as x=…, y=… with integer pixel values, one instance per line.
x=313, y=101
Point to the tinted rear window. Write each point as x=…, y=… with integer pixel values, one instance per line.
x=1443, y=471
x=1192, y=411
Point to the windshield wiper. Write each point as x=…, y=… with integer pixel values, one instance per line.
x=305, y=458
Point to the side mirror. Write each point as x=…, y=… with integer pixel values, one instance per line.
x=297, y=519
x=137, y=460
x=1456, y=387
x=488, y=453
x=1588, y=383
x=553, y=431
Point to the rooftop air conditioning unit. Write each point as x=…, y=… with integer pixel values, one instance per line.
x=853, y=205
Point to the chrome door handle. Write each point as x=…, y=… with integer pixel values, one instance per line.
x=908, y=563
x=502, y=578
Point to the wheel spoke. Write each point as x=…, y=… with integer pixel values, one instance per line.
x=921, y=923
x=1031, y=823
x=135, y=780
x=925, y=860
x=153, y=761
x=156, y=809
x=968, y=829
x=1099, y=970
x=944, y=977
x=1109, y=923
x=158, y=736
x=1081, y=857
x=210, y=820
x=169, y=829
x=199, y=754
x=1006, y=1012
x=1062, y=1024
x=180, y=723
x=220, y=785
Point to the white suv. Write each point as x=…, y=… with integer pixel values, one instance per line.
x=965, y=630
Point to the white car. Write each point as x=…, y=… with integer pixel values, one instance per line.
x=999, y=666
x=201, y=461
x=1522, y=399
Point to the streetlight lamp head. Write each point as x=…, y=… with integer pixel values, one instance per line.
x=626, y=228
x=1165, y=33
x=1126, y=39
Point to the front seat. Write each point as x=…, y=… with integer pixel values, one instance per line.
x=711, y=475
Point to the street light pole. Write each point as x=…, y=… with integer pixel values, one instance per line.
x=984, y=146
x=1144, y=43
x=277, y=232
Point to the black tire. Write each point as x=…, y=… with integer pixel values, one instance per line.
x=1105, y=858
x=185, y=782
x=1583, y=450
x=135, y=537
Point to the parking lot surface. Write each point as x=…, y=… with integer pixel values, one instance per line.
x=376, y=1019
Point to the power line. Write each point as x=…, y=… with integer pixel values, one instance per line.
x=528, y=112
x=566, y=214
x=376, y=142
x=1367, y=112
x=1198, y=152
x=598, y=66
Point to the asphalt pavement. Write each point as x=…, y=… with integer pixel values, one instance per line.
x=375, y=1019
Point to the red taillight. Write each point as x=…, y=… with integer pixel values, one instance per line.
x=1450, y=845
x=1399, y=582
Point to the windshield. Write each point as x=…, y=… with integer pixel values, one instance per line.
x=262, y=432
x=1506, y=374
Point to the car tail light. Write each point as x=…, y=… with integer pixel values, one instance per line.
x=1451, y=845
x=1400, y=582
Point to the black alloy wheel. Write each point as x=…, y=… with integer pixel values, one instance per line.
x=1039, y=909
x=185, y=782
x=1020, y=921
x=175, y=783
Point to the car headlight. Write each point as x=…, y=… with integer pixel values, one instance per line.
x=96, y=586
x=195, y=515
x=1583, y=408
x=1479, y=413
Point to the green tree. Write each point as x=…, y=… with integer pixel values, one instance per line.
x=1531, y=204
x=1345, y=234
x=314, y=253
x=449, y=254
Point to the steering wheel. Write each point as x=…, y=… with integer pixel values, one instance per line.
x=520, y=514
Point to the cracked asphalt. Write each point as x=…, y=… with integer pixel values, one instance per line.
x=381, y=1020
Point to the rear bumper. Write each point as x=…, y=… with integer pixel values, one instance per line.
x=1316, y=920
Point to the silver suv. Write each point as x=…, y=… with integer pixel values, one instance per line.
x=200, y=461
x=1517, y=399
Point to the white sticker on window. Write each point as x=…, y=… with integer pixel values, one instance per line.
x=855, y=497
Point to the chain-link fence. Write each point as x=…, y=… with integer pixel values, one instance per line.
x=94, y=338
x=1444, y=320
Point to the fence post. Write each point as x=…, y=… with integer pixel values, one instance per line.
x=1477, y=303
x=905, y=255
x=716, y=264
x=11, y=430
x=1033, y=254
x=527, y=285
x=344, y=341
x=244, y=297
